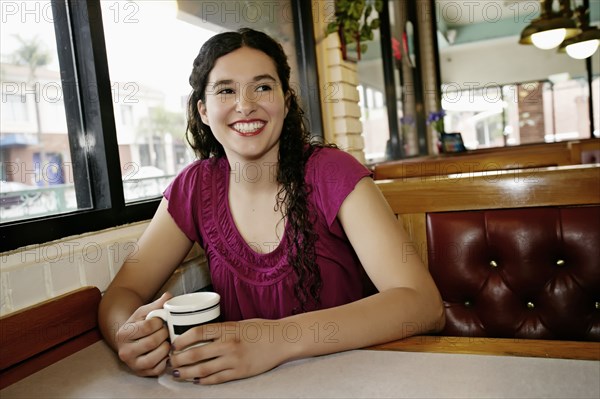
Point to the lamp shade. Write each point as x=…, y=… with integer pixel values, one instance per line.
x=549, y=32
x=583, y=50
x=548, y=39
x=583, y=45
x=551, y=27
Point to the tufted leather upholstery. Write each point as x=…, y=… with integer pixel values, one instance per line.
x=523, y=273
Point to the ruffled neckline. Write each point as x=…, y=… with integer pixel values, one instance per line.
x=223, y=234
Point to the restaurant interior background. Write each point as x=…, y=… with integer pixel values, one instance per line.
x=92, y=113
x=494, y=91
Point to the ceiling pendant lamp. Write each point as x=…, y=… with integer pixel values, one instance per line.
x=586, y=47
x=548, y=39
x=551, y=28
x=587, y=42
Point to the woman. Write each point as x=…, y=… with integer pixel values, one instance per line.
x=289, y=229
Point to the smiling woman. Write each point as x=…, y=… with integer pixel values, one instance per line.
x=289, y=248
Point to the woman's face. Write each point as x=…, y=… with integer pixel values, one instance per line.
x=245, y=105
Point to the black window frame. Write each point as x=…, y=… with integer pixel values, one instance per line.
x=90, y=119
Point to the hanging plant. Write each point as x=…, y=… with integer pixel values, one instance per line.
x=353, y=25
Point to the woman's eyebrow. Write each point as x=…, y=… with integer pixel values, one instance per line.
x=222, y=82
x=265, y=76
x=227, y=82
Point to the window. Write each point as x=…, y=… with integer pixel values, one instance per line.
x=497, y=92
x=375, y=116
x=391, y=86
x=37, y=177
x=514, y=114
x=374, y=119
x=81, y=151
x=149, y=86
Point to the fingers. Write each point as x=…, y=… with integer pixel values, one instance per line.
x=197, y=354
x=142, y=311
x=133, y=331
x=226, y=357
x=212, y=371
x=143, y=344
x=218, y=378
x=152, y=363
x=206, y=332
x=214, y=363
x=145, y=348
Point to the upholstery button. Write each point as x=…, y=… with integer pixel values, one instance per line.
x=468, y=304
x=530, y=305
x=560, y=262
x=493, y=263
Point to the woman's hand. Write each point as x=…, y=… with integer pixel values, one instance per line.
x=237, y=350
x=142, y=344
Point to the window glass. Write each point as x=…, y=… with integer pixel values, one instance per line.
x=36, y=174
x=524, y=113
x=373, y=115
x=373, y=110
x=498, y=92
x=149, y=69
x=379, y=127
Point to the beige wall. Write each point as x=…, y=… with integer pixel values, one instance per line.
x=40, y=272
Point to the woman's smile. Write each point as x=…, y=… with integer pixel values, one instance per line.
x=248, y=128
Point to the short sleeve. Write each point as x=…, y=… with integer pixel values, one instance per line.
x=182, y=195
x=334, y=174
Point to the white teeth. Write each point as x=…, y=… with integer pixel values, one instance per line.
x=248, y=127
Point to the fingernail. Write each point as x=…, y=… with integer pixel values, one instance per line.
x=176, y=373
x=196, y=380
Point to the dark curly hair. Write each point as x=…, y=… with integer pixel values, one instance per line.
x=295, y=147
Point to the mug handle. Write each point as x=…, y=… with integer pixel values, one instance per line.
x=160, y=313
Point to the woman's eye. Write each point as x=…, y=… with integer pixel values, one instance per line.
x=225, y=91
x=263, y=88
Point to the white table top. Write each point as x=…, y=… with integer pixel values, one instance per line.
x=96, y=372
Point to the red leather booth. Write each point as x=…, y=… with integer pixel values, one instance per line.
x=518, y=273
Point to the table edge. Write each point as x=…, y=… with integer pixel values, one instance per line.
x=579, y=350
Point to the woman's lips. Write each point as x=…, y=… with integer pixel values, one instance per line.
x=248, y=128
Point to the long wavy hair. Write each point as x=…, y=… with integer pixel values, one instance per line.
x=295, y=147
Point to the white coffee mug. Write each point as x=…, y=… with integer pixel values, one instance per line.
x=187, y=311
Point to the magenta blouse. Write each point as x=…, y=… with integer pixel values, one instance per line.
x=261, y=285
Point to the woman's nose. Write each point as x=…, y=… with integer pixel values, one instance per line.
x=245, y=103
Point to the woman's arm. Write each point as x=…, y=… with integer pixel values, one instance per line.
x=140, y=343
x=408, y=303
